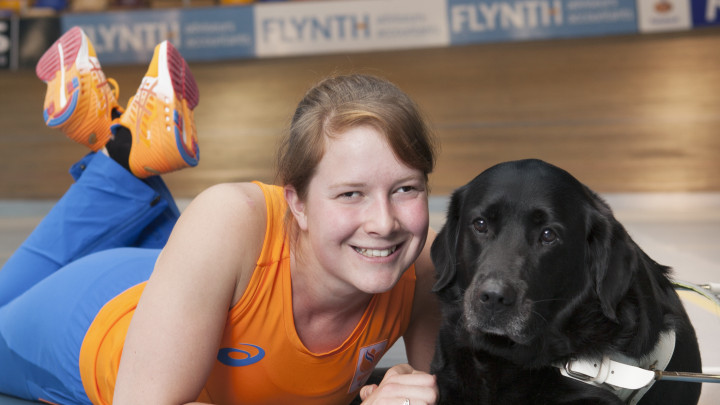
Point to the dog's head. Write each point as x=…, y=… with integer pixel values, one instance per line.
x=524, y=242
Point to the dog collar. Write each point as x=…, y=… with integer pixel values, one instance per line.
x=628, y=378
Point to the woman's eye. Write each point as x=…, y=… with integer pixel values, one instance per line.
x=480, y=225
x=548, y=236
x=350, y=194
x=405, y=189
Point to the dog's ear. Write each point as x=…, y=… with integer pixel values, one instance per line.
x=444, y=250
x=611, y=256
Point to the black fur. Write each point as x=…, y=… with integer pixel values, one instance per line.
x=532, y=270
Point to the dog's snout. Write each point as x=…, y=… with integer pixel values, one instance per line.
x=497, y=295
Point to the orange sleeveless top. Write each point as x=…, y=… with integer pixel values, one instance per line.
x=261, y=359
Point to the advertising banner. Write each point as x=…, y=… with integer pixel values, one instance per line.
x=6, y=43
x=663, y=15
x=473, y=21
x=348, y=26
x=705, y=12
x=199, y=34
x=35, y=36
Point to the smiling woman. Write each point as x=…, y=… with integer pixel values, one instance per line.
x=375, y=207
x=284, y=293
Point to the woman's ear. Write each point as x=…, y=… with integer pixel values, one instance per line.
x=296, y=205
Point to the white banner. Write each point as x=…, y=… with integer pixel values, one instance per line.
x=664, y=15
x=349, y=26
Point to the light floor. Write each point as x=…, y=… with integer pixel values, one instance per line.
x=676, y=229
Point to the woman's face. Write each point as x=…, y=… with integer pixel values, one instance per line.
x=365, y=218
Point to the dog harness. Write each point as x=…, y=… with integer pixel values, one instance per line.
x=627, y=377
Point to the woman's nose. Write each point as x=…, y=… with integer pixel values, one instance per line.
x=380, y=218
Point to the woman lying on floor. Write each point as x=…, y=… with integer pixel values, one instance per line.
x=260, y=294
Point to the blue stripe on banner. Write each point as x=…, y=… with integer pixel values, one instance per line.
x=705, y=12
x=282, y=29
x=218, y=33
x=473, y=21
x=199, y=34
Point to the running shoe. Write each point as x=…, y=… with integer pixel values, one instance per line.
x=160, y=116
x=79, y=99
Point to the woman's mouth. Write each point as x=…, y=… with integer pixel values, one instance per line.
x=375, y=252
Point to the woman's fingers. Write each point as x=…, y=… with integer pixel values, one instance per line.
x=402, y=382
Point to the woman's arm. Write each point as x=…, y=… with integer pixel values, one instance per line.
x=412, y=381
x=422, y=332
x=173, y=338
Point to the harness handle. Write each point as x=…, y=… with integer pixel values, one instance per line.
x=687, y=377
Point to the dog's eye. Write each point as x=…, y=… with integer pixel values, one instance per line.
x=480, y=225
x=548, y=236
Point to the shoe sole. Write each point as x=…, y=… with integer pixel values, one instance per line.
x=183, y=82
x=71, y=49
x=185, y=88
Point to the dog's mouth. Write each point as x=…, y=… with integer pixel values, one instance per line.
x=504, y=337
x=505, y=329
x=369, y=252
x=501, y=341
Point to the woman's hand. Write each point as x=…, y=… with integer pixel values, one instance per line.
x=401, y=384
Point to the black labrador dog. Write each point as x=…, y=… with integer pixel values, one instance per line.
x=534, y=271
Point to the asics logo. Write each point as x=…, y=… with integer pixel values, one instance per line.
x=368, y=357
x=243, y=355
x=368, y=361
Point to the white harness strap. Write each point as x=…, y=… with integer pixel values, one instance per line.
x=628, y=378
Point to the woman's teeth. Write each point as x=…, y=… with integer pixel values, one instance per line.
x=376, y=252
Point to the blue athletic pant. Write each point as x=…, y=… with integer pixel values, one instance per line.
x=102, y=237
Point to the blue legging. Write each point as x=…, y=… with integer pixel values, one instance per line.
x=102, y=237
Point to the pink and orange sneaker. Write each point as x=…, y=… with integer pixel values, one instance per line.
x=160, y=116
x=79, y=99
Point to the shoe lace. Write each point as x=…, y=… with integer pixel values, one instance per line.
x=117, y=110
x=115, y=87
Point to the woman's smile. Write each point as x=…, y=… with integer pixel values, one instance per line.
x=369, y=252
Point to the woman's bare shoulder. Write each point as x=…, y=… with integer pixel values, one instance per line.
x=229, y=204
x=220, y=194
x=225, y=228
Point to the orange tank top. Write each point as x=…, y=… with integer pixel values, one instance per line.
x=261, y=359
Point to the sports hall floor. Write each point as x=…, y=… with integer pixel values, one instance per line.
x=636, y=118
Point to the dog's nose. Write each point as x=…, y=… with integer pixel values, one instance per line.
x=496, y=295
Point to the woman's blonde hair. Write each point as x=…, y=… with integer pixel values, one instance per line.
x=340, y=103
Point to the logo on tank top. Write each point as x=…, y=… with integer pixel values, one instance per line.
x=244, y=354
x=368, y=358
